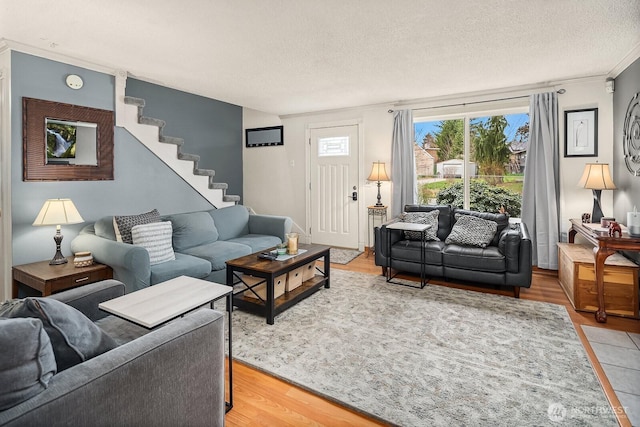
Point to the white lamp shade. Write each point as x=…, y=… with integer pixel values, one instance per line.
x=57, y=212
x=597, y=176
x=378, y=172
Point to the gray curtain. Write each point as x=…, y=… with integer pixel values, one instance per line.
x=403, y=165
x=540, y=207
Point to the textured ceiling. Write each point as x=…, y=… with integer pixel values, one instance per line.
x=295, y=56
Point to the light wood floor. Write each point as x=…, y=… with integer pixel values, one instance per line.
x=262, y=400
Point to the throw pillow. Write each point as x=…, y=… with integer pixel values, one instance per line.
x=429, y=218
x=26, y=359
x=472, y=231
x=156, y=239
x=122, y=225
x=73, y=336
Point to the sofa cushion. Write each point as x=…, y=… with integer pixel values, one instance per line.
x=73, y=336
x=122, y=224
x=156, y=238
x=218, y=253
x=472, y=231
x=409, y=250
x=232, y=221
x=192, y=229
x=473, y=258
x=257, y=242
x=27, y=360
x=183, y=265
x=444, y=217
x=501, y=219
x=428, y=218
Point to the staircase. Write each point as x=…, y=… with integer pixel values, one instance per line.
x=169, y=149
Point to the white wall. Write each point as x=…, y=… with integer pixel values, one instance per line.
x=574, y=201
x=284, y=168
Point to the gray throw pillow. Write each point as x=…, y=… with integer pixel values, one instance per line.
x=73, y=336
x=123, y=224
x=472, y=231
x=27, y=362
x=429, y=218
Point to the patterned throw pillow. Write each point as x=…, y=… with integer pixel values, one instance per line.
x=472, y=231
x=156, y=239
x=429, y=218
x=122, y=225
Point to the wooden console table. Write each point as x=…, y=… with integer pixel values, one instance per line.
x=604, y=247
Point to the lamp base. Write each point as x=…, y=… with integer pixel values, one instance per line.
x=379, y=203
x=596, y=213
x=58, y=258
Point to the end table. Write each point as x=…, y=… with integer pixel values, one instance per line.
x=48, y=279
x=375, y=212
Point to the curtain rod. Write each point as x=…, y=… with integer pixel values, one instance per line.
x=560, y=91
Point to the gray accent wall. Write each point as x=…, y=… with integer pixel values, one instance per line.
x=211, y=129
x=628, y=193
x=141, y=181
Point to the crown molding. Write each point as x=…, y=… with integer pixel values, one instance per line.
x=628, y=59
x=6, y=44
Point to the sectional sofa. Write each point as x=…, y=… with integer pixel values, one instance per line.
x=199, y=242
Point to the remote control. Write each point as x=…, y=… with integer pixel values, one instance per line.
x=267, y=255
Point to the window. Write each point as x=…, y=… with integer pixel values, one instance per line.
x=473, y=161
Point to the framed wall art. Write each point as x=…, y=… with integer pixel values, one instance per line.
x=581, y=133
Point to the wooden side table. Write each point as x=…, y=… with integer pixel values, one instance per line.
x=48, y=279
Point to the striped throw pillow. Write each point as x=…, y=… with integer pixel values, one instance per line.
x=156, y=239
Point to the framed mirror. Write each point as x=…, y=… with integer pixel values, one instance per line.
x=65, y=142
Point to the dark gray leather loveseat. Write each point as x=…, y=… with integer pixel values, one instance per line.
x=505, y=261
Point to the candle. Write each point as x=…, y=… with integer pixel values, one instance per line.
x=633, y=222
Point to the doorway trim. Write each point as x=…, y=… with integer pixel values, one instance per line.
x=362, y=217
x=6, y=238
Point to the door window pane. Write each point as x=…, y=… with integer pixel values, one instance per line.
x=336, y=146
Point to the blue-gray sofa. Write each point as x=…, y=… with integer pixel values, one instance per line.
x=202, y=242
x=173, y=375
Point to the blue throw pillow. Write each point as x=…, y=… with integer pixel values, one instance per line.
x=27, y=362
x=73, y=336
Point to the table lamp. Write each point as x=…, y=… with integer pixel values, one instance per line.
x=57, y=212
x=378, y=173
x=597, y=177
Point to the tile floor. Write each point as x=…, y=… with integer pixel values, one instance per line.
x=619, y=354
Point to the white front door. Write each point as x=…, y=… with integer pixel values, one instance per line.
x=334, y=183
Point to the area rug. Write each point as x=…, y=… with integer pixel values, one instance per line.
x=436, y=356
x=343, y=256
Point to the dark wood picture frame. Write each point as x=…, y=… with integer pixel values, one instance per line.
x=264, y=137
x=34, y=155
x=581, y=133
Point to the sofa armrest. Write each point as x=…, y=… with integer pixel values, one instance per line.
x=173, y=375
x=86, y=298
x=511, y=244
x=270, y=225
x=130, y=263
x=381, y=234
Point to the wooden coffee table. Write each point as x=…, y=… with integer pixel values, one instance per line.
x=269, y=270
x=158, y=304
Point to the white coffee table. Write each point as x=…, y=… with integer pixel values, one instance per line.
x=408, y=226
x=158, y=304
